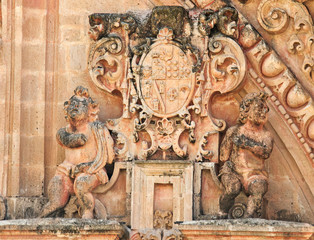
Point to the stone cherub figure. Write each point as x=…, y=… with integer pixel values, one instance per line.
x=88, y=148
x=243, y=150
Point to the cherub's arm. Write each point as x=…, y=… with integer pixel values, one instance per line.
x=266, y=147
x=79, y=168
x=261, y=148
x=227, y=145
x=70, y=140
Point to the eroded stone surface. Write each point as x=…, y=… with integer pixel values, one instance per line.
x=221, y=57
x=57, y=228
x=89, y=147
x=243, y=150
x=245, y=228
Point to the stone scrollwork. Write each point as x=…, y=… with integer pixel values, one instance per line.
x=109, y=57
x=165, y=84
x=228, y=64
x=202, y=153
x=122, y=152
x=278, y=16
x=237, y=211
x=105, y=64
x=272, y=16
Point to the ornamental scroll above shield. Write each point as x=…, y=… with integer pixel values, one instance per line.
x=167, y=83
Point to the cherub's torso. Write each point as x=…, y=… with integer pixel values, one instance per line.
x=245, y=159
x=85, y=153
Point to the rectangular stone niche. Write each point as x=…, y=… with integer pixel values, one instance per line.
x=152, y=182
x=163, y=197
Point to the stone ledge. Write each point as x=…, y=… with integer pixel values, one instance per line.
x=57, y=228
x=245, y=229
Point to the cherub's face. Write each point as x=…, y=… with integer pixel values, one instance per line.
x=258, y=112
x=77, y=110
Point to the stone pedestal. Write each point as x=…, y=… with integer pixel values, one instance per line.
x=239, y=229
x=30, y=229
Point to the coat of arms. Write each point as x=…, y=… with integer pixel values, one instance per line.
x=166, y=82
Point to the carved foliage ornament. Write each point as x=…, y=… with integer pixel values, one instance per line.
x=163, y=219
x=157, y=234
x=166, y=82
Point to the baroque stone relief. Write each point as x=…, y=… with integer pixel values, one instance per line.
x=166, y=82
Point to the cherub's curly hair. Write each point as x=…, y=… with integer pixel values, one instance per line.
x=245, y=105
x=93, y=106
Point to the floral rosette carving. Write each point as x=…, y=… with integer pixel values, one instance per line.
x=163, y=219
x=165, y=127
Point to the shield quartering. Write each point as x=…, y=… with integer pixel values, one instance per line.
x=166, y=81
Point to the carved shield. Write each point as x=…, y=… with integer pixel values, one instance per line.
x=166, y=81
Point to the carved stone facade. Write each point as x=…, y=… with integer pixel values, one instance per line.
x=183, y=135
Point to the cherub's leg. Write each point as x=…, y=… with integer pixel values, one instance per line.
x=257, y=188
x=59, y=190
x=232, y=189
x=83, y=186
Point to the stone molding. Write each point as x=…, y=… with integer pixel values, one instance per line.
x=61, y=228
x=245, y=229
